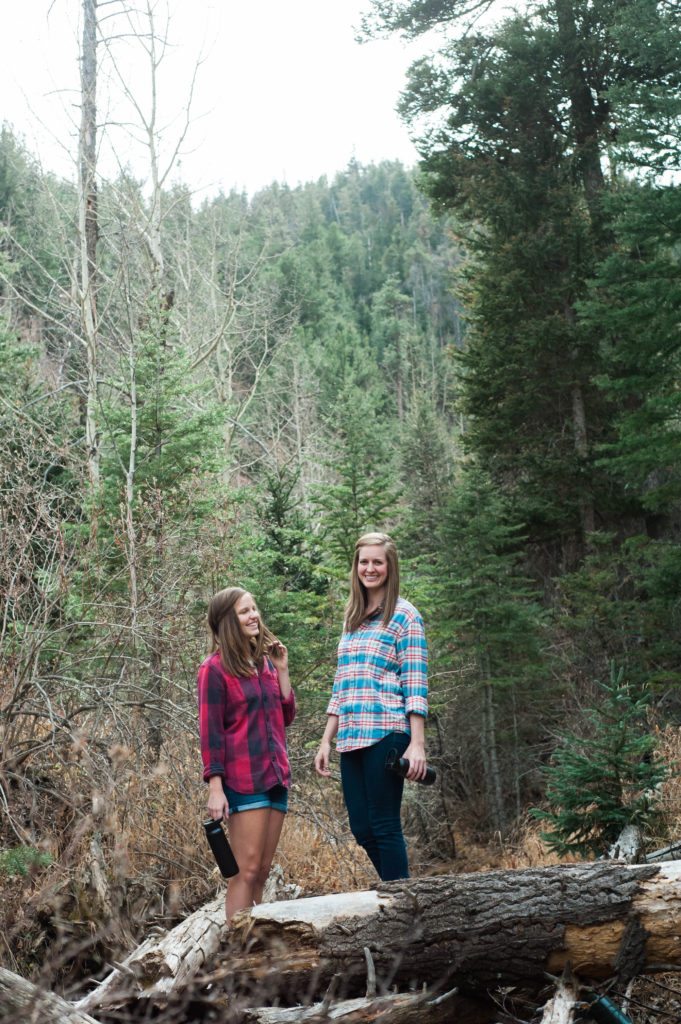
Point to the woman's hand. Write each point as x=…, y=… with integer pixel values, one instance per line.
x=416, y=755
x=321, y=761
x=218, y=805
x=278, y=655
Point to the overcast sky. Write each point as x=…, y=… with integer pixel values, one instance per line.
x=283, y=92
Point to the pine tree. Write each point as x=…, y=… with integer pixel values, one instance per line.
x=605, y=779
x=520, y=115
x=635, y=305
x=362, y=496
x=489, y=625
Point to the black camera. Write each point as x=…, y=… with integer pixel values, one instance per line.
x=400, y=765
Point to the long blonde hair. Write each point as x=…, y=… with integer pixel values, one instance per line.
x=238, y=653
x=356, y=608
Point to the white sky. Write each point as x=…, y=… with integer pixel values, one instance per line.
x=284, y=91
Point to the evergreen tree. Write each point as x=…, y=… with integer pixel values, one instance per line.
x=634, y=304
x=360, y=493
x=361, y=497
x=602, y=781
x=490, y=625
x=520, y=116
x=296, y=592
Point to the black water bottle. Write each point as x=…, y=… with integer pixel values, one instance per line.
x=400, y=765
x=222, y=851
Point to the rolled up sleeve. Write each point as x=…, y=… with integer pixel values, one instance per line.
x=412, y=654
x=288, y=707
x=211, y=699
x=334, y=706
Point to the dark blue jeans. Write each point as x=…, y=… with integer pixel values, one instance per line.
x=373, y=797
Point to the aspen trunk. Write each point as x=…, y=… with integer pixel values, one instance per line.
x=87, y=230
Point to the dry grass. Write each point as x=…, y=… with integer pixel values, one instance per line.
x=669, y=746
x=129, y=850
x=318, y=853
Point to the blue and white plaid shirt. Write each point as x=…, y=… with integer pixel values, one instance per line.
x=381, y=678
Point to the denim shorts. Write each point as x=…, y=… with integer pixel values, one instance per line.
x=276, y=798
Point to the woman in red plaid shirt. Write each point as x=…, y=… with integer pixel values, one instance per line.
x=245, y=704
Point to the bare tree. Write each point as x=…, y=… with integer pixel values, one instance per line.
x=87, y=229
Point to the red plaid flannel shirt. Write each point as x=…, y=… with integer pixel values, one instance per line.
x=242, y=724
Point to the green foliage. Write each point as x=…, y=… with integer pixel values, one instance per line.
x=607, y=778
x=623, y=604
x=488, y=631
x=519, y=117
x=19, y=860
x=35, y=219
x=427, y=456
x=484, y=597
x=361, y=493
x=292, y=582
x=635, y=305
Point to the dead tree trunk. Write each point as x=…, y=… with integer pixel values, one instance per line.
x=163, y=965
x=491, y=928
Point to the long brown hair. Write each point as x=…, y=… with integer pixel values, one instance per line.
x=356, y=608
x=238, y=653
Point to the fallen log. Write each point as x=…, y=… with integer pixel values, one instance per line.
x=494, y=928
x=21, y=1000
x=666, y=853
x=162, y=964
x=488, y=928
x=403, y=1008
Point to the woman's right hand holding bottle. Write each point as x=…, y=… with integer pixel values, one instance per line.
x=218, y=805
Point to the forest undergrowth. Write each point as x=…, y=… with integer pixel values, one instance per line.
x=102, y=846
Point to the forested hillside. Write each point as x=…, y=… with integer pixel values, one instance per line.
x=480, y=357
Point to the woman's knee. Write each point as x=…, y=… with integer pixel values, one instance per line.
x=363, y=834
x=262, y=874
x=249, y=871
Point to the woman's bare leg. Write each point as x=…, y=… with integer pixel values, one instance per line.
x=253, y=836
x=274, y=827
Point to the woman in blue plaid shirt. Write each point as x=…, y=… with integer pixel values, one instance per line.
x=378, y=703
